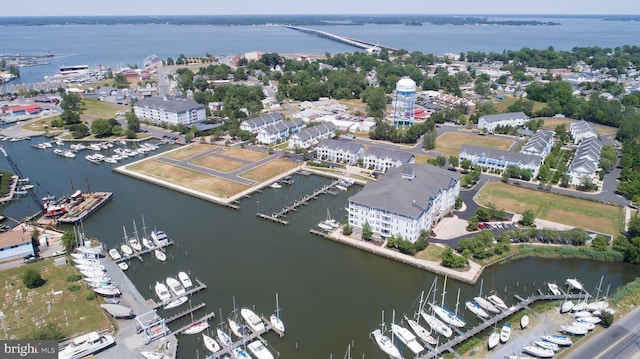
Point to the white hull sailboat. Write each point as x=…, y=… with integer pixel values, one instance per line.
x=445, y=314
x=385, y=344
x=210, y=343
x=547, y=345
x=197, y=327
x=538, y=352
x=476, y=309
x=558, y=339
x=275, y=319
x=223, y=338
x=239, y=330
x=421, y=332
x=498, y=302
x=176, y=302
x=505, y=333
x=486, y=305
x=494, y=339
x=436, y=324
x=406, y=337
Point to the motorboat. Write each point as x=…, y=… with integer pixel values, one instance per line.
x=494, y=339
x=123, y=266
x=176, y=302
x=573, y=329
x=238, y=329
x=385, y=344
x=162, y=291
x=118, y=311
x=224, y=338
x=524, y=321
x=197, y=327
x=253, y=321
x=561, y=340
x=547, y=345
x=126, y=250
x=505, y=333
x=153, y=355
x=175, y=286
x=421, y=332
x=239, y=353
x=498, y=302
x=159, y=238
x=185, y=280
x=210, y=343
x=406, y=337
x=275, y=185
x=436, y=324
x=573, y=283
x=447, y=316
x=86, y=345
x=476, y=309
x=486, y=305
x=160, y=255
x=538, y=352
x=554, y=289
x=107, y=291
x=259, y=350
x=566, y=306
x=114, y=254
x=69, y=154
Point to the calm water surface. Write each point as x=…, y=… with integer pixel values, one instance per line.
x=330, y=294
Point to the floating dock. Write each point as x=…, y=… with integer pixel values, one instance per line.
x=278, y=216
x=249, y=338
x=195, y=289
x=92, y=202
x=139, y=254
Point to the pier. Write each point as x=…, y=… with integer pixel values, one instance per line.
x=91, y=203
x=524, y=303
x=195, y=289
x=278, y=216
x=365, y=45
x=249, y=338
x=206, y=317
x=139, y=254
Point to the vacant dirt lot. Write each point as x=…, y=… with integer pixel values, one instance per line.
x=188, y=151
x=218, y=163
x=244, y=154
x=269, y=170
x=449, y=143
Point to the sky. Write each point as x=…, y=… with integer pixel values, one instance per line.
x=262, y=7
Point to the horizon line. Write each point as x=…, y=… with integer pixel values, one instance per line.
x=332, y=14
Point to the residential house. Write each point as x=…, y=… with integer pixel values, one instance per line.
x=339, y=151
x=586, y=161
x=254, y=125
x=309, y=136
x=381, y=159
x=513, y=119
x=495, y=160
x=539, y=144
x=405, y=201
x=171, y=111
x=581, y=130
x=279, y=131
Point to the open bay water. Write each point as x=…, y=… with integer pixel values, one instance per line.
x=331, y=295
x=119, y=45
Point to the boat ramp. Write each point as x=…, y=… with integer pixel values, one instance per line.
x=278, y=216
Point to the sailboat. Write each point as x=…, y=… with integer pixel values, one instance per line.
x=445, y=314
x=494, y=339
x=421, y=332
x=384, y=343
x=210, y=343
x=124, y=247
x=484, y=303
x=134, y=242
x=237, y=328
x=330, y=222
x=148, y=243
x=431, y=320
x=476, y=309
x=223, y=337
x=505, y=333
x=275, y=319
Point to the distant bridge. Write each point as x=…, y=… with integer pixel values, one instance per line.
x=365, y=45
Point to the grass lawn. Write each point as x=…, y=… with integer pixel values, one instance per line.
x=502, y=105
x=571, y=211
x=244, y=154
x=218, y=163
x=269, y=170
x=187, y=178
x=449, y=143
x=101, y=109
x=188, y=151
x=552, y=123
x=27, y=309
x=433, y=252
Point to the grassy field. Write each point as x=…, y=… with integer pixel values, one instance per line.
x=218, y=163
x=502, y=105
x=449, y=143
x=269, y=170
x=101, y=109
x=27, y=309
x=187, y=178
x=431, y=253
x=188, y=151
x=574, y=212
x=552, y=123
x=243, y=154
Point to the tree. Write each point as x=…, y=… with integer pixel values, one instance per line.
x=634, y=227
x=71, y=102
x=466, y=164
x=607, y=319
x=347, y=230
x=120, y=81
x=31, y=278
x=600, y=243
x=69, y=117
x=133, y=123
x=68, y=241
x=453, y=161
x=528, y=218
x=366, y=231
x=452, y=260
x=101, y=128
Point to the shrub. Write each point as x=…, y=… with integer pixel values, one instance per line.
x=31, y=278
x=49, y=331
x=74, y=278
x=452, y=260
x=607, y=319
x=91, y=296
x=73, y=288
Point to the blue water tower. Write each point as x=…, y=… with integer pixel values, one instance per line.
x=404, y=102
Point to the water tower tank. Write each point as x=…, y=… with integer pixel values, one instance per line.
x=406, y=85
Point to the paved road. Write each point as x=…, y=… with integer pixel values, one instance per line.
x=620, y=341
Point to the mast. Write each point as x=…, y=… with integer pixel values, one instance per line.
x=277, y=307
x=135, y=230
x=444, y=290
x=417, y=316
x=457, y=302
x=144, y=227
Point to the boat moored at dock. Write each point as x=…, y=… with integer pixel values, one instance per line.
x=253, y=320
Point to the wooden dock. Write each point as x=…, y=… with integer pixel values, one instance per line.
x=247, y=339
x=139, y=254
x=184, y=313
x=278, y=216
x=195, y=289
x=524, y=303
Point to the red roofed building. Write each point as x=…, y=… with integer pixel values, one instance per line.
x=19, y=110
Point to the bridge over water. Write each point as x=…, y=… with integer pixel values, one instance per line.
x=365, y=45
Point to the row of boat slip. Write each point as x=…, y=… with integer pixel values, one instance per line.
x=173, y=291
x=134, y=245
x=94, y=273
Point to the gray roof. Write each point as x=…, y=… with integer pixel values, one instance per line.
x=312, y=132
x=538, y=142
x=344, y=145
x=261, y=121
x=169, y=105
x=581, y=126
x=505, y=116
x=377, y=152
x=509, y=156
x=409, y=197
x=283, y=126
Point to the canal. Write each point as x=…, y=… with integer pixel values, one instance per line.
x=331, y=295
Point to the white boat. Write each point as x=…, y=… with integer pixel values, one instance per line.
x=95, y=273
x=505, y=333
x=325, y=226
x=486, y=305
x=259, y=350
x=153, y=355
x=275, y=185
x=341, y=187
x=421, y=332
x=582, y=314
x=494, y=339
x=162, y=292
x=196, y=327
x=573, y=283
x=524, y=321
x=160, y=255
x=474, y=308
x=538, y=352
x=579, y=307
x=238, y=329
x=147, y=243
x=159, y=238
x=69, y=154
x=573, y=329
x=599, y=305
x=406, y=337
x=107, y=291
x=547, y=345
x=210, y=343
x=115, y=255
x=558, y=339
x=224, y=338
x=175, y=286
x=253, y=321
x=183, y=277
x=436, y=324
x=447, y=316
x=499, y=303
x=566, y=306
x=135, y=244
x=86, y=345
x=275, y=319
x=585, y=325
x=123, y=265
x=89, y=267
x=331, y=222
x=126, y=250
x=594, y=320
x=385, y=344
x=239, y=353
x=176, y=302
x=553, y=288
